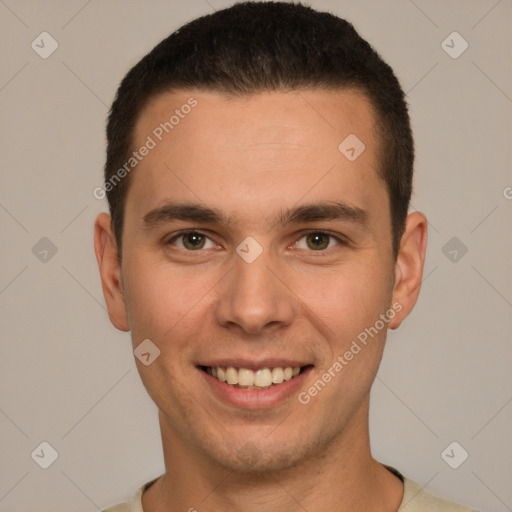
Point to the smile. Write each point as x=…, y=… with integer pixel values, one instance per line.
x=245, y=378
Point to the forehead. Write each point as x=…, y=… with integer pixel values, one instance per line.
x=296, y=116
x=273, y=147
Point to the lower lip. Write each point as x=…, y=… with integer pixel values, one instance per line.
x=255, y=398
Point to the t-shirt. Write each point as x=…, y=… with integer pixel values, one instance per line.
x=416, y=499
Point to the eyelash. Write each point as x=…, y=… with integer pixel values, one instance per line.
x=340, y=241
x=186, y=232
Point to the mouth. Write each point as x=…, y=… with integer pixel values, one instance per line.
x=254, y=379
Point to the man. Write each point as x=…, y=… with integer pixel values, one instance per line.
x=258, y=248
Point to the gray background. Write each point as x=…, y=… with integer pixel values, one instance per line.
x=69, y=378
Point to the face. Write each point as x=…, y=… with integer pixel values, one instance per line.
x=254, y=249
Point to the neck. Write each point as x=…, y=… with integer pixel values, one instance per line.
x=343, y=477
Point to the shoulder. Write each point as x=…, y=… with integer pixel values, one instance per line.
x=122, y=507
x=418, y=499
x=136, y=504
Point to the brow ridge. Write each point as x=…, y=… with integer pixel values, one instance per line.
x=192, y=212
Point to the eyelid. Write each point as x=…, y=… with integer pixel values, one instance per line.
x=183, y=232
x=342, y=240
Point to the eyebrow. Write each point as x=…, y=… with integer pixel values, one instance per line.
x=329, y=211
x=187, y=212
x=325, y=211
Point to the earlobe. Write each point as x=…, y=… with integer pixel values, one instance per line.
x=105, y=247
x=409, y=266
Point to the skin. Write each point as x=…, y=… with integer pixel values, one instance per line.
x=252, y=158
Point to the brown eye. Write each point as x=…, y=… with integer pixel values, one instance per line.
x=318, y=241
x=193, y=241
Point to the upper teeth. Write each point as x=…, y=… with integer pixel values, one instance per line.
x=243, y=377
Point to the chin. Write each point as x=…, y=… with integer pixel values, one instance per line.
x=254, y=458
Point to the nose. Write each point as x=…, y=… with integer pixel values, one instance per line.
x=253, y=299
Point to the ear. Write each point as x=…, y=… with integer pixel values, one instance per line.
x=105, y=247
x=409, y=266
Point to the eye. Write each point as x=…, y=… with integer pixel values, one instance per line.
x=317, y=241
x=192, y=241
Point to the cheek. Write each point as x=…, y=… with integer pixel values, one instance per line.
x=349, y=300
x=350, y=304
x=162, y=301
